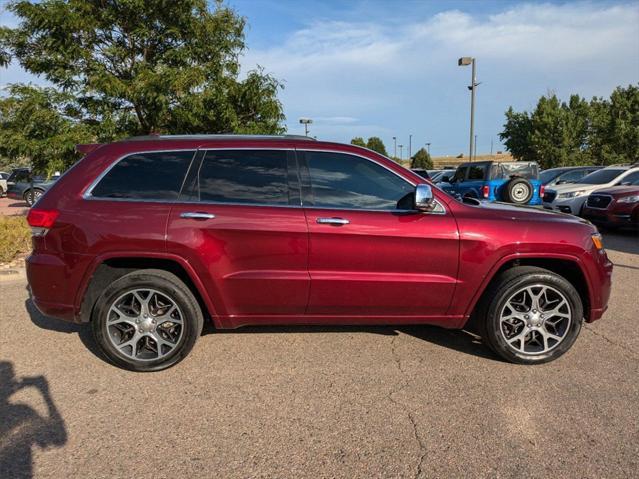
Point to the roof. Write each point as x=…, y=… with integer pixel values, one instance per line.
x=220, y=137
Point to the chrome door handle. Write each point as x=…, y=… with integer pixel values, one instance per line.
x=197, y=215
x=332, y=221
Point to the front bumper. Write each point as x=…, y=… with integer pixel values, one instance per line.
x=568, y=205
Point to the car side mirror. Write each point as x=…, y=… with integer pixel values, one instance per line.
x=424, y=200
x=561, y=182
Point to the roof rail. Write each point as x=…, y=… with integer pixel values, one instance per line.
x=225, y=136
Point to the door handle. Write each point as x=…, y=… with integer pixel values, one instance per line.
x=332, y=221
x=197, y=215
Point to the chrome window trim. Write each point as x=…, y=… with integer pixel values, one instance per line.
x=87, y=195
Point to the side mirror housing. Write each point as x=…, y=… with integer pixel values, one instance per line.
x=424, y=200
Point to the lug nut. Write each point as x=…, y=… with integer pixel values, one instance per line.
x=526, y=317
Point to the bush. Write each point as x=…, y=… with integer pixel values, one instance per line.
x=15, y=237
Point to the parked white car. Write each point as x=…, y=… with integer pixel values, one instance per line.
x=570, y=198
x=3, y=183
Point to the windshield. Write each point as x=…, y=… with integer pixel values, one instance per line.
x=602, y=176
x=547, y=176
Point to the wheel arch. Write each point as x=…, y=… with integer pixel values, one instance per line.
x=106, y=269
x=568, y=267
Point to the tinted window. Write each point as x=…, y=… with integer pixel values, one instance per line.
x=602, y=176
x=476, y=173
x=573, y=176
x=244, y=176
x=150, y=176
x=460, y=174
x=346, y=181
x=547, y=176
x=631, y=179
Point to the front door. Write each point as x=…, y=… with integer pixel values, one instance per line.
x=240, y=225
x=371, y=256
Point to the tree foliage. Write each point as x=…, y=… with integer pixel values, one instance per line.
x=146, y=66
x=421, y=159
x=41, y=124
x=374, y=143
x=555, y=133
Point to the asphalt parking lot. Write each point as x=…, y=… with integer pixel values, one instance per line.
x=322, y=402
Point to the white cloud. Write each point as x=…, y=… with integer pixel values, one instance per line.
x=395, y=76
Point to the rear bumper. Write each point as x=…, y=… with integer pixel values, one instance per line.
x=54, y=281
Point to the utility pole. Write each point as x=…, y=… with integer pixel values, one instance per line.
x=428, y=148
x=464, y=61
x=306, y=122
x=394, y=147
x=475, y=146
x=400, y=151
x=410, y=146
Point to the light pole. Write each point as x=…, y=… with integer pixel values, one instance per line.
x=400, y=152
x=462, y=62
x=306, y=122
x=428, y=148
x=410, y=146
x=394, y=147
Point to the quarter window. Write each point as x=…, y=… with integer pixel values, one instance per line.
x=347, y=181
x=146, y=176
x=244, y=176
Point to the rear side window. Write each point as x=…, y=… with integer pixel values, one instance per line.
x=245, y=177
x=146, y=176
x=476, y=173
x=347, y=181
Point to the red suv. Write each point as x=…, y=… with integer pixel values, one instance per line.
x=147, y=237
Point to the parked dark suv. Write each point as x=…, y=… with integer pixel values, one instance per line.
x=148, y=238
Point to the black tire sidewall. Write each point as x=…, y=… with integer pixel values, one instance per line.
x=492, y=329
x=176, y=290
x=511, y=185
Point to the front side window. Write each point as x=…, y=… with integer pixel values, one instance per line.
x=460, y=174
x=146, y=176
x=476, y=173
x=245, y=177
x=340, y=180
x=630, y=179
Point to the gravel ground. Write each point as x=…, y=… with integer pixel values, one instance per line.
x=13, y=207
x=322, y=402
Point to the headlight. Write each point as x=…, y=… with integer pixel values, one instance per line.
x=571, y=194
x=629, y=199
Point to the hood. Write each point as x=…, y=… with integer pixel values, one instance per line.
x=570, y=187
x=619, y=190
x=511, y=212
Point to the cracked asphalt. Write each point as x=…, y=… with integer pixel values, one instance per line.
x=322, y=402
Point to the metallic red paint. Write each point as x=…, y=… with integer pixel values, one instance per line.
x=277, y=265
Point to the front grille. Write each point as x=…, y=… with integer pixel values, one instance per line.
x=549, y=196
x=599, y=201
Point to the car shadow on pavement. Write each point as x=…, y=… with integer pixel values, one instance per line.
x=458, y=340
x=52, y=324
x=22, y=427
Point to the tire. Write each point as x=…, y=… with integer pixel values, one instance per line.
x=126, y=331
x=28, y=198
x=518, y=335
x=519, y=191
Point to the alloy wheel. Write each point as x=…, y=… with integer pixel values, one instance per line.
x=144, y=324
x=535, y=319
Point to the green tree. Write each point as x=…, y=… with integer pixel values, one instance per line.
x=40, y=124
x=358, y=141
x=146, y=66
x=421, y=159
x=517, y=133
x=376, y=144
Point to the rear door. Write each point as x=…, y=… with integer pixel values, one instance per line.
x=239, y=223
x=371, y=256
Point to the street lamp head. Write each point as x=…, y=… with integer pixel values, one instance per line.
x=463, y=61
x=306, y=121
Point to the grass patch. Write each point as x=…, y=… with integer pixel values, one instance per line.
x=15, y=237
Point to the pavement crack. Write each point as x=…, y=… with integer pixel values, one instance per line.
x=610, y=341
x=404, y=384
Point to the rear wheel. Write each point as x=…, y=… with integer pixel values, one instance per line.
x=519, y=191
x=531, y=315
x=147, y=320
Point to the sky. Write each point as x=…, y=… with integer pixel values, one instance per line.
x=389, y=68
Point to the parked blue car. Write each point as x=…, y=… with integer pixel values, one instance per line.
x=510, y=182
x=22, y=186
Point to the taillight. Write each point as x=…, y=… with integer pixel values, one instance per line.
x=41, y=220
x=542, y=190
x=486, y=191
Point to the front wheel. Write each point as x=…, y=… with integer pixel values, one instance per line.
x=147, y=320
x=531, y=315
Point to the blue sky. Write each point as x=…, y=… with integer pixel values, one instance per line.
x=389, y=68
